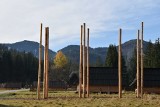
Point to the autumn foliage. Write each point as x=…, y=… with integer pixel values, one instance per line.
x=60, y=60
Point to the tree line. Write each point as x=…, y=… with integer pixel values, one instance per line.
x=23, y=67
x=17, y=66
x=151, y=59
x=152, y=55
x=62, y=69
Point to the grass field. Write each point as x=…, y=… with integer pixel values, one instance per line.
x=1, y=90
x=70, y=99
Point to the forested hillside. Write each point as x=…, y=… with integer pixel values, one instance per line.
x=29, y=46
x=17, y=66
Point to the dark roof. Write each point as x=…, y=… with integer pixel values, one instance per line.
x=101, y=76
x=151, y=77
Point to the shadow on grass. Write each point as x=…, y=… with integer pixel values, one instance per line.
x=2, y=105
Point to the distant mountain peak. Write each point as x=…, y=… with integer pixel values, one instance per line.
x=30, y=46
x=72, y=51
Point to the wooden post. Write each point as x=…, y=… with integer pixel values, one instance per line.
x=81, y=65
x=138, y=74
x=84, y=59
x=120, y=65
x=142, y=61
x=47, y=60
x=88, y=63
x=39, y=68
x=44, y=75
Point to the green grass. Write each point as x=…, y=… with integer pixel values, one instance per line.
x=70, y=99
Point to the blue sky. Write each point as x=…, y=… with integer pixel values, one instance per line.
x=20, y=20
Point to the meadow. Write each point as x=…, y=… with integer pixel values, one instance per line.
x=70, y=99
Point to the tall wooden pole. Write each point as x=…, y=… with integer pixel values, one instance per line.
x=47, y=60
x=120, y=65
x=44, y=75
x=88, y=63
x=84, y=59
x=142, y=61
x=138, y=74
x=39, y=68
x=81, y=65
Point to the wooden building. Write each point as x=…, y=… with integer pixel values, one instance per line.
x=57, y=85
x=104, y=79
x=152, y=80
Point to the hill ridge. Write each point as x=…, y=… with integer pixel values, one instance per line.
x=72, y=51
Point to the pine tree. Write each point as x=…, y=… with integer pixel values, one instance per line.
x=111, y=57
x=149, y=55
x=152, y=55
x=157, y=54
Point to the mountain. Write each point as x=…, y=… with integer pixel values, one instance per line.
x=97, y=55
x=129, y=47
x=72, y=52
x=29, y=46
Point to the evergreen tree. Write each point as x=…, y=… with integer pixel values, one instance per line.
x=111, y=57
x=149, y=55
x=17, y=66
x=152, y=55
x=157, y=54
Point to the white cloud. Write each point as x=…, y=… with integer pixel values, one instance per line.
x=20, y=19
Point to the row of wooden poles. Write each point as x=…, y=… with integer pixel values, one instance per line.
x=83, y=68
x=84, y=64
x=46, y=63
x=140, y=63
x=139, y=75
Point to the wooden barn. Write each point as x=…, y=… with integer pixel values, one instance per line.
x=57, y=85
x=104, y=79
x=151, y=80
